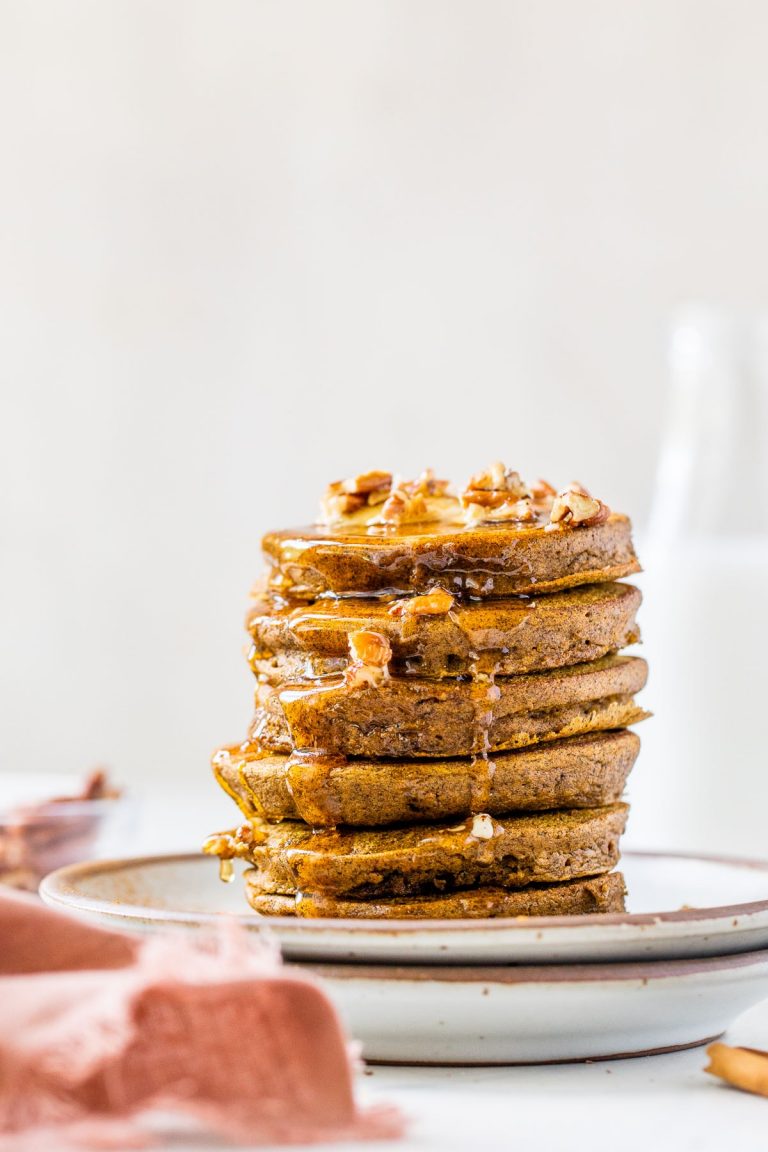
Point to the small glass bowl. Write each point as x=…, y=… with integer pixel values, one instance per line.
x=39, y=834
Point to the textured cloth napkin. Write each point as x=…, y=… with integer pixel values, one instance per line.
x=99, y=1031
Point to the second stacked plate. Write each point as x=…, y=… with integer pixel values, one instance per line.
x=690, y=956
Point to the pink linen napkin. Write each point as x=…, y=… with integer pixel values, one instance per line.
x=97, y=1029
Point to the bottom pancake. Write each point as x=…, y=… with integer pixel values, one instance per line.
x=572, y=898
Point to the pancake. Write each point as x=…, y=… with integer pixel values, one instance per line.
x=408, y=716
x=544, y=848
x=505, y=637
x=479, y=560
x=571, y=898
x=582, y=772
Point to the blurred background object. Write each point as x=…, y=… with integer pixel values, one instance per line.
x=247, y=248
x=706, y=581
x=49, y=820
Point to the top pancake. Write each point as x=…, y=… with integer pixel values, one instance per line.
x=478, y=561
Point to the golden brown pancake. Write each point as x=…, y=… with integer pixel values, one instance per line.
x=409, y=716
x=570, y=898
x=582, y=772
x=481, y=560
x=544, y=848
x=504, y=637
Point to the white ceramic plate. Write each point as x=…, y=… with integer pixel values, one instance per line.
x=544, y=1013
x=680, y=906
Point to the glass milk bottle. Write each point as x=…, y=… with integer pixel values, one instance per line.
x=702, y=779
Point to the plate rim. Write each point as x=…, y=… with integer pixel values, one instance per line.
x=576, y=972
x=53, y=887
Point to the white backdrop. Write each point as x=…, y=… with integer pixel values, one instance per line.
x=248, y=247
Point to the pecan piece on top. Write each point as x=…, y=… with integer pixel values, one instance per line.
x=414, y=501
x=401, y=507
x=575, y=506
x=497, y=494
x=374, y=485
x=345, y=497
x=498, y=485
x=543, y=493
x=428, y=485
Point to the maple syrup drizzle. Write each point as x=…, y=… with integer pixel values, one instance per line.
x=484, y=694
x=238, y=757
x=235, y=844
x=242, y=775
x=308, y=778
x=260, y=723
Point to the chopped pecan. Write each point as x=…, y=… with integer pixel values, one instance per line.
x=519, y=510
x=371, y=654
x=232, y=845
x=498, y=485
x=358, y=675
x=368, y=483
x=219, y=844
x=498, y=494
x=436, y=602
x=345, y=497
x=337, y=503
x=574, y=505
x=428, y=485
x=370, y=648
x=401, y=507
x=543, y=492
x=223, y=845
x=482, y=826
x=745, y=1068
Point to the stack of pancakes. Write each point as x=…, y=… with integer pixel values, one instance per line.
x=441, y=724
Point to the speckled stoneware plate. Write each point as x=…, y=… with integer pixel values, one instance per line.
x=680, y=907
x=529, y=1014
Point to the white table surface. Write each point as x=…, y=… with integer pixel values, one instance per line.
x=648, y=1104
